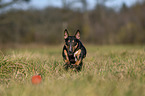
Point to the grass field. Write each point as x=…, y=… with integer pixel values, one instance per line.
x=107, y=71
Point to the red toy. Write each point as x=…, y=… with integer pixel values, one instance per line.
x=36, y=79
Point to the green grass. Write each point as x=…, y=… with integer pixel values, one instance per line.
x=107, y=71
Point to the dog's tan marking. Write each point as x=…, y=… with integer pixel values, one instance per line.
x=67, y=59
x=75, y=47
x=76, y=55
x=67, y=47
x=78, y=62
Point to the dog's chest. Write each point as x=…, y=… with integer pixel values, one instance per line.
x=74, y=58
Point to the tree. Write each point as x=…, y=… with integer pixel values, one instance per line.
x=124, y=7
x=6, y=4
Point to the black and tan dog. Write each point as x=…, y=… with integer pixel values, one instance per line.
x=73, y=51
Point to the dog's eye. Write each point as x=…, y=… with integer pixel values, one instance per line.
x=67, y=43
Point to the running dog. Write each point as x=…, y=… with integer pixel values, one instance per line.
x=73, y=51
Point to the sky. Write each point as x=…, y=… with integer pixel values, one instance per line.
x=40, y=4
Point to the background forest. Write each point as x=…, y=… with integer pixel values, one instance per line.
x=100, y=25
x=31, y=42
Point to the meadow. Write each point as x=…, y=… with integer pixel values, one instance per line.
x=107, y=71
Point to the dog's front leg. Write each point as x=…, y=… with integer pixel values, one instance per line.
x=66, y=59
x=77, y=56
x=78, y=64
x=78, y=59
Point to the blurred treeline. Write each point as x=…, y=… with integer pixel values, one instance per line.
x=101, y=25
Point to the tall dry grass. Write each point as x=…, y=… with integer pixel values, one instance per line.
x=107, y=71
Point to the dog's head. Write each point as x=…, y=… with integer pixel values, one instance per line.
x=71, y=42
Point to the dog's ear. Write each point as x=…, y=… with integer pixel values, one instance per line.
x=77, y=35
x=66, y=34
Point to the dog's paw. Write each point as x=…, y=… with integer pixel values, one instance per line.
x=72, y=65
x=65, y=66
x=78, y=67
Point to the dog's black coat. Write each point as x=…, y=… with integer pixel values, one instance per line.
x=73, y=51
